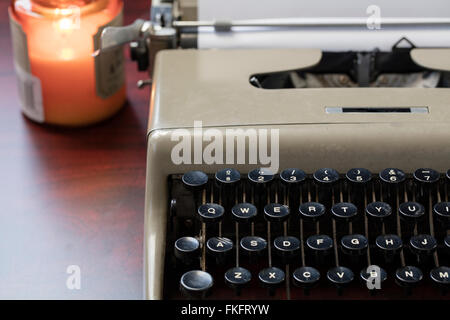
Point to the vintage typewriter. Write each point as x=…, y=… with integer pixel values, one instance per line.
x=355, y=200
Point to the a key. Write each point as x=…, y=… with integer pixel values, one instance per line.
x=287, y=248
x=442, y=212
x=275, y=212
x=306, y=278
x=311, y=211
x=244, y=212
x=408, y=277
x=340, y=277
x=220, y=248
x=440, y=277
x=196, y=284
x=271, y=278
x=389, y=245
x=253, y=246
x=187, y=249
x=373, y=277
x=325, y=180
x=423, y=245
x=237, y=278
x=210, y=212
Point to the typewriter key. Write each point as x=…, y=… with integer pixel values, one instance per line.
x=344, y=211
x=340, y=277
x=441, y=278
x=210, y=212
x=354, y=244
x=195, y=179
x=423, y=245
x=408, y=277
x=311, y=211
x=260, y=179
x=244, y=212
x=220, y=248
x=187, y=249
x=228, y=181
x=260, y=176
x=358, y=179
x=227, y=177
x=196, y=284
x=378, y=211
x=320, y=247
x=326, y=179
x=287, y=248
x=426, y=176
x=237, y=278
x=442, y=212
x=275, y=212
x=306, y=278
x=389, y=245
x=253, y=246
x=271, y=278
x=411, y=212
x=373, y=277
x=391, y=178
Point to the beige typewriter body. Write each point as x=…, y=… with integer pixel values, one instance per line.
x=213, y=86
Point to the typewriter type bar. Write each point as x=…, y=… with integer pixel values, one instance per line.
x=303, y=236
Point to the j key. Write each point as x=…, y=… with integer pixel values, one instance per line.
x=220, y=248
x=373, y=277
x=244, y=212
x=340, y=277
x=389, y=245
x=287, y=248
x=271, y=278
x=227, y=180
x=306, y=278
x=237, y=278
x=441, y=278
x=358, y=179
x=187, y=249
x=275, y=212
x=196, y=284
x=325, y=179
x=210, y=212
x=321, y=247
x=408, y=277
x=195, y=181
x=253, y=246
x=411, y=212
x=344, y=211
x=442, y=212
x=354, y=244
x=423, y=245
x=391, y=178
x=378, y=211
x=311, y=211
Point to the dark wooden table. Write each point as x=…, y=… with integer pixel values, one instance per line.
x=71, y=197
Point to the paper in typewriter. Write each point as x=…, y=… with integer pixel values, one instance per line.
x=368, y=36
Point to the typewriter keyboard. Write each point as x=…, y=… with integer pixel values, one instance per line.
x=321, y=235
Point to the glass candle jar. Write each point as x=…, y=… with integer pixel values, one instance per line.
x=60, y=81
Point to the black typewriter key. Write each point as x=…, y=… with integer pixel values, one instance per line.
x=391, y=178
x=312, y=211
x=275, y=212
x=196, y=181
x=344, y=211
x=196, y=284
x=244, y=212
x=373, y=277
x=261, y=180
x=358, y=179
x=426, y=176
x=442, y=211
x=411, y=213
x=340, y=277
x=271, y=278
x=228, y=180
x=423, y=245
x=210, y=212
x=378, y=211
x=253, y=246
x=320, y=247
x=187, y=249
x=287, y=248
x=306, y=278
x=326, y=179
x=408, y=277
x=237, y=278
x=440, y=277
x=354, y=244
x=292, y=180
x=220, y=248
x=389, y=246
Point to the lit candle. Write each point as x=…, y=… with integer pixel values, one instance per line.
x=76, y=89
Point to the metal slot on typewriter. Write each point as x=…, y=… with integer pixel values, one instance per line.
x=296, y=235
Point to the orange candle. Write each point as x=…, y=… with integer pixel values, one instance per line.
x=60, y=81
